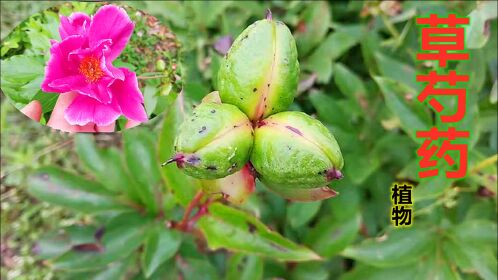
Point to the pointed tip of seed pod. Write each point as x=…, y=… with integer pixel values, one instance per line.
x=212, y=97
x=268, y=14
x=331, y=192
x=178, y=158
x=334, y=174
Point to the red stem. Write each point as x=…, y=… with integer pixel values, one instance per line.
x=193, y=203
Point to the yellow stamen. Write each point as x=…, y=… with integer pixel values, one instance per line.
x=90, y=68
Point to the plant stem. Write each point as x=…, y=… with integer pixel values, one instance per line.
x=151, y=77
x=394, y=32
x=193, y=203
x=490, y=160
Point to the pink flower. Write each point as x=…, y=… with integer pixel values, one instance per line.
x=82, y=63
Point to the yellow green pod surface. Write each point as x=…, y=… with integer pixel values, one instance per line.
x=214, y=142
x=293, y=151
x=260, y=72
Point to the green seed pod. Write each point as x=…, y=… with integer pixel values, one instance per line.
x=214, y=142
x=260, y=72
x=160, y=65
x=293, y=152
x=236, y=187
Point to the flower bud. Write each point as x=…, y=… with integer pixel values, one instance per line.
x=236, y=187
x=260, y=73
x=160, y=65
x=214, y=142
x=294, y=153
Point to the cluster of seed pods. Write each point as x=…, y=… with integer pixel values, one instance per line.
x=243, y=131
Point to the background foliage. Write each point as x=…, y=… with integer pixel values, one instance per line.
x=98, y=206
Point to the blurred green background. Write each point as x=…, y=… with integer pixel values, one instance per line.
x=358, y=68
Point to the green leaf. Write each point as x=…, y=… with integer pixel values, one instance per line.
x=150, y=99
x=365, y=272
x=339, y=228
x=350, y=84
x=106, y=165
x=47, y=100
x=22, y=69
x=324, y=104
x=207, y=14
x=310, y=270
x=397, y=247
x=300, y=213
x=183, y=187
x=366, y=163
x=477, y=31
x=370, y=45
x=191, y=268
x=226, y=227
x=429, y=268
x=315, y=20
x=11, y=42
x=473, y=258
x=335, y=45
x=39, y=40
x=114, y=271
x=475, y=69
x=122, y=235
x=432, y=187
x=242, y=267
x=333, y=236
x=412, y=114
x=56, y=243
x=398, y=71
x=21, y=77
x=161, y=244
x=472, y=246
x=476, y=232
x=65, y=189
x=173, y=11
x=140, y=155
x=436, y=266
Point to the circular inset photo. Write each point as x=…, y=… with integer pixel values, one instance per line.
x=90, y=67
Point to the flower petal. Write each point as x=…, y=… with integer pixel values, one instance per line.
x=111, y=22
x=98, y=91
x=128, y=96
x=84, y=110
x=97, y=50
x=59, y=65
x=110, y=70
x=76, y=24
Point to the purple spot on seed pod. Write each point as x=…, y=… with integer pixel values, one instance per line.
x=223, y=44
x=293, y=129
x=334, y=174
x=193, y=159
